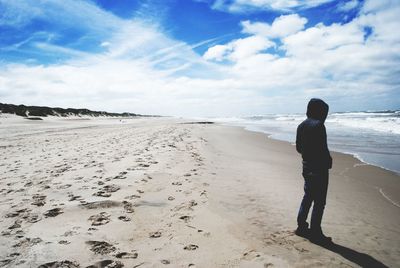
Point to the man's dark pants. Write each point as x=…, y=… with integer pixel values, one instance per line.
x=315, y=190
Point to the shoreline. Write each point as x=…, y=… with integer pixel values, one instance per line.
x=355, y=155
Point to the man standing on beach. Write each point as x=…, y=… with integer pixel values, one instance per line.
x=312, y=145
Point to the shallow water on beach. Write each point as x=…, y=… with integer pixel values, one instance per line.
x=372, y=137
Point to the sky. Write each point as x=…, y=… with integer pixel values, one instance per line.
x=201, y=57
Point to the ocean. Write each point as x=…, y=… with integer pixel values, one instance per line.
x=372, y=136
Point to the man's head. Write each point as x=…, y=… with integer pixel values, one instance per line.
x=317, y=109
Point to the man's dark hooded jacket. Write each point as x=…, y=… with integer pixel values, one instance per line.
x=311, y=138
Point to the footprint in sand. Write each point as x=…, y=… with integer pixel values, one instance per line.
x=185, y=218
x=101, y=247
x=70, y=233
x=134, y=196
x=181, y=206
x=124, y=218
x=100, y=219
x=102, y=194
x=286, y=239
x=27, y=242
x=128, y=207
x=65, y=186
x=73, y=197
x=17, y=213
x=106, y=264
x=15, y=225
x=38, y=200
x=32, y=217
x=187, y=192
x=144, y=165
x=53, y=212
x=5, y=262
x=155, y=234
x=126, y=255
x=46, y=187
x=101, y=204
x=107, y=190
x=120, y=176
x=165, y=262
x=60, y=264
x=111, y=188
x=191, y=247
x=250, y=255
x=203, y=193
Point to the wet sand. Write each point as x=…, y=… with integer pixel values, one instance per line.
x=156, y=192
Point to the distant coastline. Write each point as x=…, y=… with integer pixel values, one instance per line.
x=30, y=112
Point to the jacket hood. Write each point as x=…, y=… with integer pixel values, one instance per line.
x=317, y=109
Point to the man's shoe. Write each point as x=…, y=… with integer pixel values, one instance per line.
x=302, y=231
x=319, y=238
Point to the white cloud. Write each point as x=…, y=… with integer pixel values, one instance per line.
x=320, y=38
x=347, y=6
x=282, y=26
x=259, y=40
x=105, y=44
x=218, y=52
x=333, y=61
x=238, y=6
x=238, y=49
x=245, y=47
x=378, y=6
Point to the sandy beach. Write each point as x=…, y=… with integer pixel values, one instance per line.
x=162, y=192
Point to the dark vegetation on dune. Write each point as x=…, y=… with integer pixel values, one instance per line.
x=44, y=111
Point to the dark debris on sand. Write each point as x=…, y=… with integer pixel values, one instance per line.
x=200, y=123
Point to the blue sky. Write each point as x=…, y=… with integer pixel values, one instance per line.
x=200, y=57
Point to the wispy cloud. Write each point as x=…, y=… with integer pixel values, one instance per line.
x=139, y=68
x=347, y=6
x=19, y=13
x=239, y=6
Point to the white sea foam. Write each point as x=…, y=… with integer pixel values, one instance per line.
x=388, y=122
x=295, y=117
x=383, y=122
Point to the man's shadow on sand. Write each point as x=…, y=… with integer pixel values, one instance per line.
x=362, y=259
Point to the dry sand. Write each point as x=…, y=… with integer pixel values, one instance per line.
x=159, y=193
